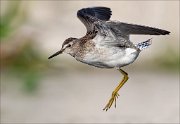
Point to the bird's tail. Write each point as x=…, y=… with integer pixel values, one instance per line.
x=144, y=45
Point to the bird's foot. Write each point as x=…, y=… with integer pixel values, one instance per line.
x=113, y=98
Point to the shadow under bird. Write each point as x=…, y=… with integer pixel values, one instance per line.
x=106, y=43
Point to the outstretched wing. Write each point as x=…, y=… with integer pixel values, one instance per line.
x=128, y=29
x=117, y=33
x=89, y=15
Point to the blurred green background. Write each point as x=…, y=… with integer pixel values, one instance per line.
x=35, y=89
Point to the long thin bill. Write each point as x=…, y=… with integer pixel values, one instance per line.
x=55, y=54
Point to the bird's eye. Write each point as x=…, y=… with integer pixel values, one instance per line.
x=69, y=45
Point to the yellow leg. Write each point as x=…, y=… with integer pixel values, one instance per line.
x=115, y=92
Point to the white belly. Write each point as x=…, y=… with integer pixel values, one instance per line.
x=106, y=58
x=119, y=60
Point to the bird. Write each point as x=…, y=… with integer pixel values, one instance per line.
x=106, y=43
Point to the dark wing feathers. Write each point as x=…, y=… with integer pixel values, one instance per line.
x=102, y=13
x=89, y=15
x=137, y=29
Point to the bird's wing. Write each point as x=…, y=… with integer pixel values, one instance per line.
x=117, y=33
x=128, y=29
x=109, y=36
x=90, y=15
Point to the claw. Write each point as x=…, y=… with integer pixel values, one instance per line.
x=113, y=99
x=115, y=94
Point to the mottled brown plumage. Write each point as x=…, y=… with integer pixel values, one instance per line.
x=106, y=43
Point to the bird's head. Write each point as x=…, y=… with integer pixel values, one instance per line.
x=66, y=47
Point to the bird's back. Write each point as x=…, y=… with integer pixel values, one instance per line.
x=106, y=43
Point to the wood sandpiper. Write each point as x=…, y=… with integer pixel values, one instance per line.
x=106, y=43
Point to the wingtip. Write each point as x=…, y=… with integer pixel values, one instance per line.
x=161, y=32
x=99, y=12
x=166, y=32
